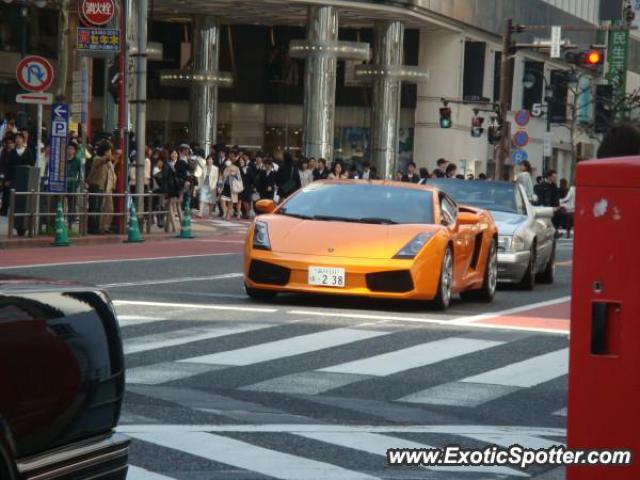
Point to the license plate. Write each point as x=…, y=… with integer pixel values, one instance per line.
x=327, y=277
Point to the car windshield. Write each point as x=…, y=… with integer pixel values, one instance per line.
x=361, y=203
x=494, y=196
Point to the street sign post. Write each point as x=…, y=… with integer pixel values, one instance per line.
x=556, y=42
x=34, y=73
x=35, y=98
x=58, y=151
x=98, y=40
x=96, y=12
x=519, y=156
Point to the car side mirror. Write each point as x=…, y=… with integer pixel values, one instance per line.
x=265, y=206
x=467, y=218
x=543, y=213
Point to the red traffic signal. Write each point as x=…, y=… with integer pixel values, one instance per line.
x=588, y=58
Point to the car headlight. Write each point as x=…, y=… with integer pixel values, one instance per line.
x=261, y=236
x=511, y=244
x=411, y=249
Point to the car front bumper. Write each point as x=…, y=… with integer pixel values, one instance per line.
x=99, y=458
x=512, y=266
x=424, y=275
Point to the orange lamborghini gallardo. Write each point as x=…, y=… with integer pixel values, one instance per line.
x=374, y=239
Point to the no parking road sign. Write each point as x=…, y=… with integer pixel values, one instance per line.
x=34, y=73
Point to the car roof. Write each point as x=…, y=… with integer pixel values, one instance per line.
x=15, y=284
x=383, y=183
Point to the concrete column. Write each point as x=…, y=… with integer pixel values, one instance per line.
x=204, y=98
x=320, y=84
x=386, y=89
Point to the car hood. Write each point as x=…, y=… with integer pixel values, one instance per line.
x=339, y=239
x=508, y=223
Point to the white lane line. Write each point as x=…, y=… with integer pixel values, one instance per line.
x=527, y=373
x=164, y=372
x=127, y=320
x=195, y=306
x=251, y=457
x=119, y=260
x=485, y=316
x=138, y=473
x=412, y=357
x=168, y=281
x=287, y=347
x=336, y=428
x=562, y=412
x=377, y=444
x=188, y=335
x=491, y=385
x=510, y=311
x=361, y=316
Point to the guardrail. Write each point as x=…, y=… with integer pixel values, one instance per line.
x=39, y=210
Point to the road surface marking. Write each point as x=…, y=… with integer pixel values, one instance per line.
x=188, y=335
x=250, y=457
x=412, y=357
x=287, y=347
x=377, y=444
x=159, y=373
x=360, y=316
x=137, y=473
x=487, y=386
x=119, y=260
x=171, y=280
x=485, y=316
x=329, y=378
x=464, y=430
x=126, y=320
x=562, y=412
x=231, y=308
x=506, y=441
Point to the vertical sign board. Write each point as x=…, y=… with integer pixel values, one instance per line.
x=618, y=58
x=58, y=145
x=556, y=42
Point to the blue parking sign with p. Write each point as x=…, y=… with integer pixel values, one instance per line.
x=58, y=148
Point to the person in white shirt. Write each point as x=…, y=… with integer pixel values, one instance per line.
x=208, y=184
x=306, y=174
x=569, y=205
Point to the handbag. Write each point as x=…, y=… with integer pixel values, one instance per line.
x=236, y=185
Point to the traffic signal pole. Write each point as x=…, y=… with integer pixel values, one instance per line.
x=503, y=150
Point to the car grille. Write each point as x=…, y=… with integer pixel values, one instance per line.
x=267, y=273
x=399, y=281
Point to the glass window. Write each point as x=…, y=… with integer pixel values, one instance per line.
x=361, y=202
x=494, y=196
x=449, y=210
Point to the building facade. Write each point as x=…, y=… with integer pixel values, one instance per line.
x=339, y=79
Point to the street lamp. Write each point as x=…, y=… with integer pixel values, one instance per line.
x=529, y=81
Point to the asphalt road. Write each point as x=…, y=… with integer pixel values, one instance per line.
x=220, y=387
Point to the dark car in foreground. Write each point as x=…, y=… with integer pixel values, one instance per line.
x=61, y=382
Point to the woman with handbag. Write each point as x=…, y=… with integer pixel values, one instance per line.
x=208, y=187
x=231, y=187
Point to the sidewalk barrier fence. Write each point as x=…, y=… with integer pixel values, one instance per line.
x=39, y=214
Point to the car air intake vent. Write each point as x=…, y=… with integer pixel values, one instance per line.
x=267, y=273
x=399, y=281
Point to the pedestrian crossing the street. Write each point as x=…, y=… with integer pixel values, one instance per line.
x=238, y=371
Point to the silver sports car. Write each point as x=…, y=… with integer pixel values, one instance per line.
x=526, y=244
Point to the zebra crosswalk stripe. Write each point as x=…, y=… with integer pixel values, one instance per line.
x=251, y=457
x=487, y=386
x=175, y=338
x=138, y=473
x=315, y=382
x=286, y=348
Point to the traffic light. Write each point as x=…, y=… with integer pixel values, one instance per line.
x=476, y=126
x=494, y=134
x=593, y=58
x=603, y=108
x=445, y=117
